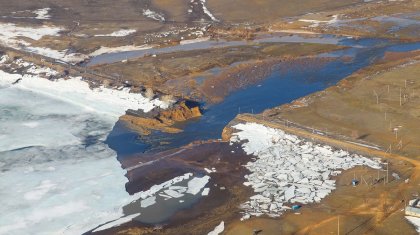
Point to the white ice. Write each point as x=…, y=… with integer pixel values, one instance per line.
x=105, y=50
x=42, y=14
x=218, y=229
x=207, y=12
x=117, y=222
x=154, y=15
x=12, y=35
x=196, y=184
x=57, y=174
x=119, y=33
x=414, y=221
x=288, y=169
x=316, y=23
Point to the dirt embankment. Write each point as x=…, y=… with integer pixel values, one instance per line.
x=162, y=120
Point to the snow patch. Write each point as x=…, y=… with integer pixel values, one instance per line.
x=207, y=12
x=154, y=15
x=120, y=33
x=316, y=23
x=42, y=14
x=11, y=36
x=105, y=50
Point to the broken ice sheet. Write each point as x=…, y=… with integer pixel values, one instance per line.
x=289, y=170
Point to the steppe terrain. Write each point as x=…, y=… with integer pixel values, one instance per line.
x=311, y=95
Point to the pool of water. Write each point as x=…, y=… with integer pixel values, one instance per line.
x=163, y=209
x=211, y=44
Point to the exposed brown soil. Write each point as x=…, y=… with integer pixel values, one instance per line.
x=162, y=119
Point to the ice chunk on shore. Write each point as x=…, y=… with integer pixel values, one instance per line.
x=205, y=192
x=119, y=33
x=75, y=90
x=289, y=193
x=148, y=202
x=288, y=169
x=218, y=229
x=173, y=193
x=414, y=221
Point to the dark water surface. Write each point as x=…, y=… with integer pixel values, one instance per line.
x=287, y=83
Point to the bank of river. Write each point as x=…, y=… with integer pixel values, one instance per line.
x=287, y=83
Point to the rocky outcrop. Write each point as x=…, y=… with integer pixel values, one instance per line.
x=181, y=111
x=162, y=119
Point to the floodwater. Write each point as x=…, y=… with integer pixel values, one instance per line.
x=285, y=84
x=288, y=82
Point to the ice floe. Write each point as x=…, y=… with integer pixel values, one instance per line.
x=210, y=170
x=288, y=169
x=197, y=184
x=414, y=221
x=154, y=15
x=119, y=33
x=169, y=189
x=218, y=229
x=59, y=127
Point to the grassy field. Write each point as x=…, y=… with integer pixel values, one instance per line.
x=379, y=105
